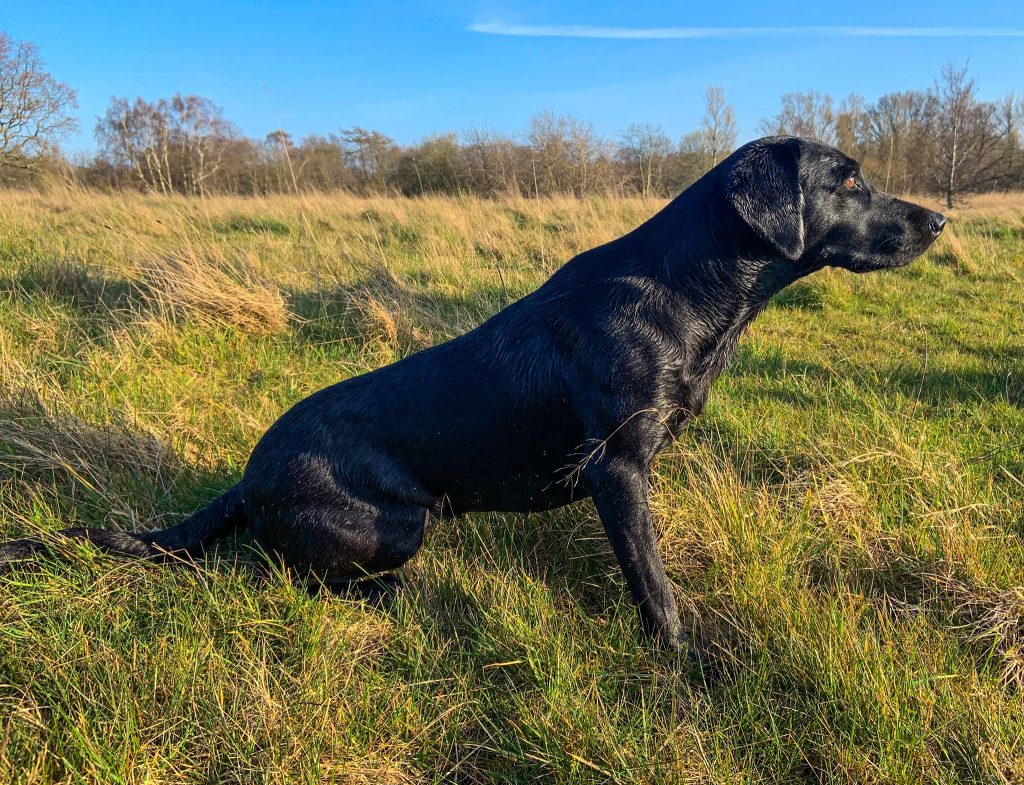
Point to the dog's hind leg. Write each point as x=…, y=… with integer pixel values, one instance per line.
x=342, y=544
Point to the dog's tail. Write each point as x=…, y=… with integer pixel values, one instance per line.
x=181, y=542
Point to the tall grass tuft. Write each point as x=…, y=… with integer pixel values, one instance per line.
x=211, y=288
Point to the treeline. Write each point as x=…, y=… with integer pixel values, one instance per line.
x=185, y=145
x=944, y=140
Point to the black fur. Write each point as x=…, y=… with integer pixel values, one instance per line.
x=566, y=394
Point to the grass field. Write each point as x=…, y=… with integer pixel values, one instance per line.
x=843, y=525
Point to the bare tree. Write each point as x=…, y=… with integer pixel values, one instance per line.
x=494, y=163
x=590, y=156
x=691, y=160
x=810, y=114
x=35, y=109
x=1011, y=117
x=850, y=124
x=320, y=164
x=241, y=168
x=898, y=131
x=549, y=152
x=135, y=137
x=568, y=156
x=279, y=152
x=171, y=145
x=718, y=126
x=701, y=150
x=643, y=149
x=970, y=139
x=199, y=131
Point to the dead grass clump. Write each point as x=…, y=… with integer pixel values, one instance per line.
x=389, y=312
x=992, y=620
x=841, y=518
x=831, y=499
x=368, y=772
x=213, y=291
x=953, y=251
x=988, y=619
x=70, y=455
x=828, y=520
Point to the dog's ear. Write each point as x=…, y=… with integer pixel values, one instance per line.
x=764, y=187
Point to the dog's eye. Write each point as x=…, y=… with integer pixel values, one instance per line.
x=851, y=184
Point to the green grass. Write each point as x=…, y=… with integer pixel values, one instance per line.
x=843, y=525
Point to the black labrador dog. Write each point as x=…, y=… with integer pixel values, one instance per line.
x=566, y=394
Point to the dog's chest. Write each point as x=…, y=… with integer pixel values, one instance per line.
x=681, y=396
x=686, y=379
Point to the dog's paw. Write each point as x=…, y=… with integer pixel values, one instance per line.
x=670, y=637
x=682, y=647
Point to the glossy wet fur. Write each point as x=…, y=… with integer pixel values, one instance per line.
x=568, y=393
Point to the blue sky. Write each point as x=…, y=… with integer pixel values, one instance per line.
x=411, y=69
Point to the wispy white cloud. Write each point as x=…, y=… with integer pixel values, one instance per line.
x=665, y=33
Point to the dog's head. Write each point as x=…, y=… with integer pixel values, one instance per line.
x=809, y=203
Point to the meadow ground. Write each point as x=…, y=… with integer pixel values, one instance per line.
x=843, y=525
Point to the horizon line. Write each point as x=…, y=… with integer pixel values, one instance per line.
x=497, y=27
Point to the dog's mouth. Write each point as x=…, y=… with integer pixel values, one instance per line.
x=890, y=253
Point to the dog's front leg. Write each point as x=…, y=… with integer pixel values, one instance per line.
x=620, y=492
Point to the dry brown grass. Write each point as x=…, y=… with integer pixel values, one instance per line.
x=998, y=203
x=954, y=250
x=211, y=289
x=388, y=312
x=987, y=618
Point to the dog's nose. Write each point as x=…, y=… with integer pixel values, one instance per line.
x=935, y=222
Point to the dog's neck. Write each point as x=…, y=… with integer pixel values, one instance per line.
x=721, y=273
